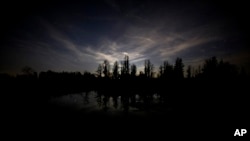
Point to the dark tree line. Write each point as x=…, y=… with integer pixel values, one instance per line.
x=123, y=75
x=211, y=69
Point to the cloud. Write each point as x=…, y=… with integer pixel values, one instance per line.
x=156, y=42
x=150, y=43
x=182, y=46
x=125, y=53
x=139, y=44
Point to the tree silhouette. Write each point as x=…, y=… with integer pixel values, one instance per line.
x=161, y=71
x=167, y=70
x=99, y=71
x=226, y=70
x=125, y=67
x=178, y=69
x=86, y=75
x=210, y=67
x=116, y=70
x=198, y=72
x=141, y=75
x=106, y=68
x=148, y=68
x=189, y=72
x=28, y=71
x=133, y=70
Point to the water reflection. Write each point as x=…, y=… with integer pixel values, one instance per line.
x=94, y=101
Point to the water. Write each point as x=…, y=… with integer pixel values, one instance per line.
x=93, y=102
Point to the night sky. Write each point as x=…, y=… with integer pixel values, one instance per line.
x=77, y=36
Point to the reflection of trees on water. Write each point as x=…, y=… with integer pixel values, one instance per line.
x=125, y=103
x=104, y=103
x=115, y=103
x=128, y=100
x=99, y=100
x=86, y=98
